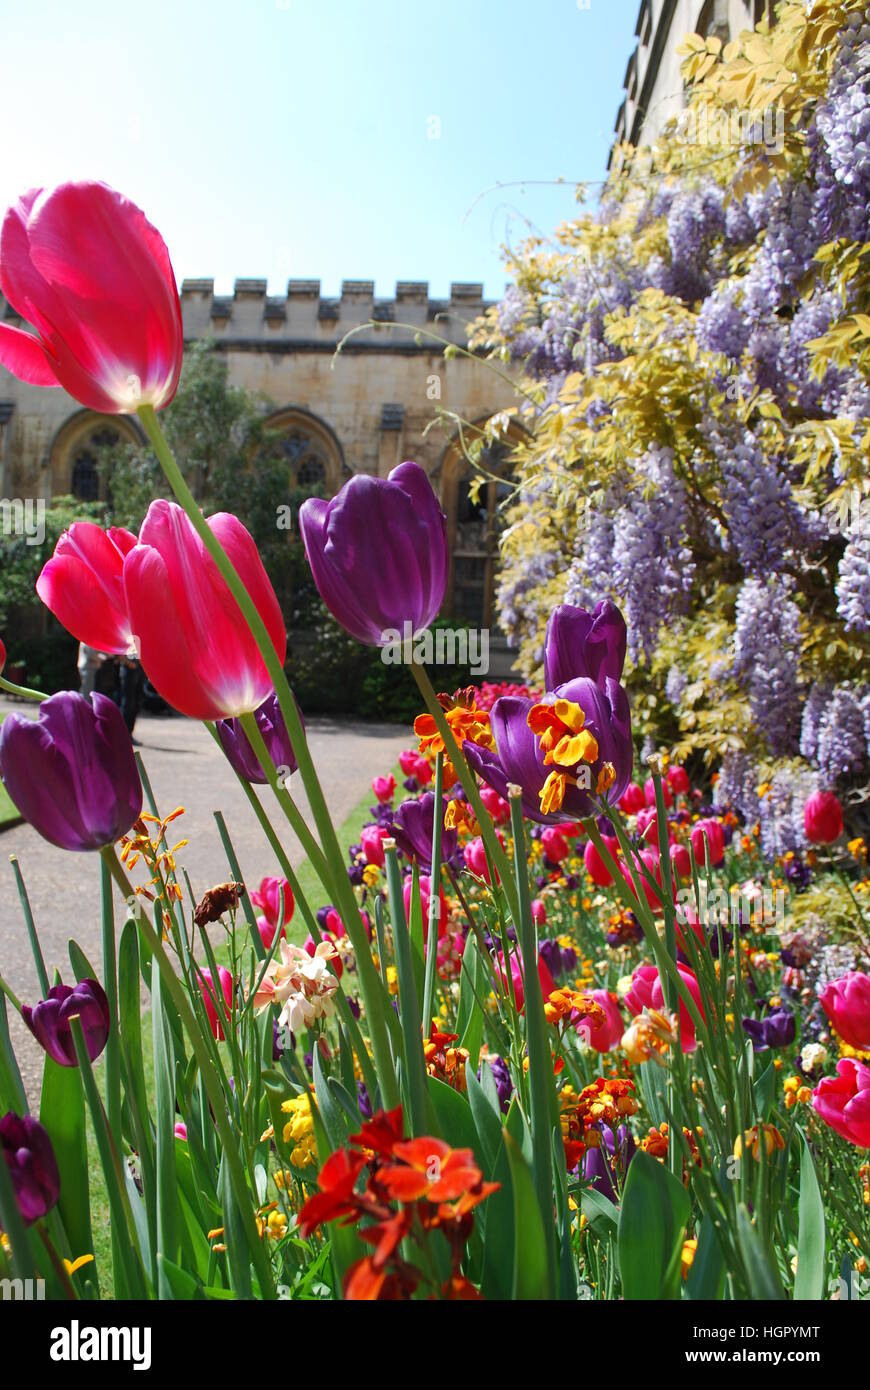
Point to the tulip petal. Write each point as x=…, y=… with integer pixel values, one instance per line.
x=82, y=585
x=24, y=356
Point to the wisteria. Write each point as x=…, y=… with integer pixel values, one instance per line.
x=700, y=423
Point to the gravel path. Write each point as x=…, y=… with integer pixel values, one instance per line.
x=186, y=768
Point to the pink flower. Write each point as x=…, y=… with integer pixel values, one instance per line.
x=425, y=898
x=180, y=1130
x=268, y=899
x=823, y=818
x=681, y=861
x=407, y=759
x=422, y=771
x=554, y=845
x=195, y=645
x=475, y=857
x=498, y=808
x=84, y=266
x=650, y=859
x=847, y=1004
x=632, y=800
x=639, y=997
x=608, y=1033
x=539, y=912
x=595, y=866
x=83, y=585
x=649, y=790
x=712, y=832
x=372, y=841
x=843, y=1101
x=210, y=994
x=678, y=779
x=546, y=979
x=383, y=787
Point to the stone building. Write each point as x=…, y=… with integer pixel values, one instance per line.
x=363, y=411
x=653, y=85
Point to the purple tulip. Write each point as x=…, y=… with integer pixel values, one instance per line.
x=600, y=1163
x=49, y=1020
x=236, y=745
x=71, y=772
x=412, y=831
x=27, y=1152
x=580, y=643
x=378, y=553
x=777, y=1030
x=518, y=757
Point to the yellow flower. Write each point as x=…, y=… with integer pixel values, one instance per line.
x=689, y=1250
x=73, y=1265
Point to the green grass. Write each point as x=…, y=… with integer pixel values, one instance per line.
x=348, y=834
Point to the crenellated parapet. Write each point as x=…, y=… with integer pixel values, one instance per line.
x=305, y=319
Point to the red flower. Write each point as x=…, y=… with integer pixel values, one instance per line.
x=337, y=1181
x=83, y=585
x=196, y=646
x=381, y=1132
x=83, y=265
x=823, y=818
x=429, y=1168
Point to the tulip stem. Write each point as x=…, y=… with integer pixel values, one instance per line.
x=36, y=949
x=217, y=1099
x=22, y=691
x=434, y=896
x=370, y=984
x=469, y=786
x=110, y=980
x=13, y=998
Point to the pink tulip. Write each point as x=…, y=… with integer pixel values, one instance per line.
x=2, y=655
x=407, y=759
x=422, y=771
x=554, y=845
x=475, y=857
x=425, y=899
x=607, y=1034
x=498, y=808
x=180, y=1130
x=639, y=997
x=83, y=585
x=649, y=790
x=823, y=818
x=209, y=990
x=383, y=787
x=646, y=993
x=89, y=272
x=847, y=1004
x=539, y=912
x=712, y=832
x=678, y=779
x=681, y=861
x=196, y=647
x=653, y=865
x=268, y=899
x=843, y=1101
x=372, y=841
x=595, y=866
x=687, y=1027
x=336, y=963
x=632, y=799
x=546, y=979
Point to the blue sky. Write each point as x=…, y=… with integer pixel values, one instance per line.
x=287, y=138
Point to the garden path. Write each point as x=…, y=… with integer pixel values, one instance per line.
x=185, y=767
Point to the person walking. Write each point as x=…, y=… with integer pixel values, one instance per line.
x=89, y=663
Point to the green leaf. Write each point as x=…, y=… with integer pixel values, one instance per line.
x=764, y=1281
x=531, y=1278
x=599, y=1212
x=809, y=1280
x=415, y=932
x=331, y=1113
x=12, y=1096
x=62, y=1113
x=167, y=1195
x=652, y=1224
x=707, y=1273
x=469, y=1022
x=454, y=1118
x=178, y=1282
x=487, y=1121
